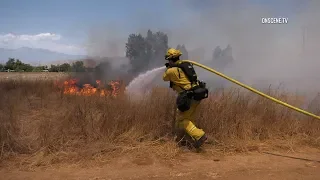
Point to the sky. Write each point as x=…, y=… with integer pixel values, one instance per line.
x=64, y=24
x=101, y=28
x=68, y=25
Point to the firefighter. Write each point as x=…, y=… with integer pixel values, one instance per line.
x=179, y=82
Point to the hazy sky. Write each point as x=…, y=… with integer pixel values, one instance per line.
x=67, y=25
x=101, y=27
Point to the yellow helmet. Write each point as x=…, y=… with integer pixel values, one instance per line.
x=172, y=53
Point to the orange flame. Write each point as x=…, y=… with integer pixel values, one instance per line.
x=70, y=88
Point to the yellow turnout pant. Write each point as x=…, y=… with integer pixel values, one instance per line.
x=184, y=121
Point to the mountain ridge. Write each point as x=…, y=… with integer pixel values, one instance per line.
x=36, y=56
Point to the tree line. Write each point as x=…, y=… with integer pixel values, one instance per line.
x=17, y=65
x=143, y=52
x=148, y=52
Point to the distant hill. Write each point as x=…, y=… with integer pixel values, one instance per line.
x=34, y=56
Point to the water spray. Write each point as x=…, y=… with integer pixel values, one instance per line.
x=137, y=86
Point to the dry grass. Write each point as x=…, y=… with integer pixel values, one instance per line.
x=37, y=120
x=32, y=75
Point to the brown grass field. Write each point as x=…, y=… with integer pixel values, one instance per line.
x=45, y=134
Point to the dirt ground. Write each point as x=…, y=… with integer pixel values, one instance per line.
x=304, y=164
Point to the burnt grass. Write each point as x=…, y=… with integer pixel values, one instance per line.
x=37, y=118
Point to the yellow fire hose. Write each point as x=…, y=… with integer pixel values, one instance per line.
x=253, y=90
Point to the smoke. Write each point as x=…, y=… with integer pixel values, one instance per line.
x=270, y=52
x=263, y=53
x=107, y=41
x=105, y=50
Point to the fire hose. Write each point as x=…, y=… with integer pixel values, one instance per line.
x=253, y=90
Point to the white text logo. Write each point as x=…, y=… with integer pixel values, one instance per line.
x=274, y=20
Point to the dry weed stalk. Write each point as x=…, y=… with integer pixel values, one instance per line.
x=36, y=117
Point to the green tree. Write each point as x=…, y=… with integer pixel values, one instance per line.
x=78, y=66
x=150, y=41
x=146, y=52
x=26, y=67
x=65, y=67
x=10, y=64
x=159, y=44
x=17, y=65
x=20, y=66
x=136, y=52
x=1, y=67
x=54, y=68
x=39, y=68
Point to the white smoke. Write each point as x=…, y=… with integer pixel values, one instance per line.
x=264, y=53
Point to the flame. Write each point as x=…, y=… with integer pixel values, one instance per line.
x=70, y=87
x=115, y=87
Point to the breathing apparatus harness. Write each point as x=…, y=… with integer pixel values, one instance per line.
x=198, y=89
